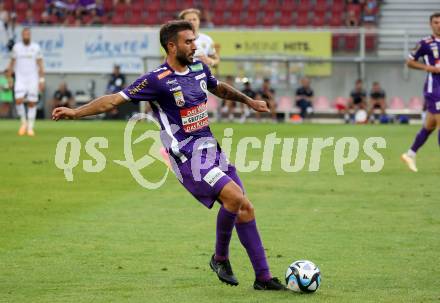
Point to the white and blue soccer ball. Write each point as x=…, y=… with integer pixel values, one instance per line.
x=303, y=276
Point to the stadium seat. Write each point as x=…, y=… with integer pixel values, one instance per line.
x=370, y=42
x=284, y=104
x=321, y=103
x=336, y=19
x=135, y=18
x=234, y=19
x=340, y=103
x=153, y=7
x=286, y=18
x=319, y=18
x=151, y=19
x=415, y=103
x=336, y=42
x=236, y=6
x=397, y=103
x=8, y=5
x=351, y=42
x=118, y=19
x=269, y=18
x=218, y=19
x=21, y=6
x=338, y=7
x=302, y=20
x=288, y=6
x=170, y=6
x=251, y=19
x=356, y=8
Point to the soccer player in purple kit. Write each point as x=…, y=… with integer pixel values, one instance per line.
x=428, y=49
x=177, y=91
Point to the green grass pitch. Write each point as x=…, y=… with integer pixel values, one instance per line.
x=103, y=238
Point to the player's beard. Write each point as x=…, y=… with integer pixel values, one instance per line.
x=26, y=41
x=183, y=58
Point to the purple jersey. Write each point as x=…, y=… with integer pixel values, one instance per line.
x=178, y=101
x=428, y=49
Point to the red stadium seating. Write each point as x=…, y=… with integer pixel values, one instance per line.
x=336, y=42
x=269, y=18
x=251, y=18
x=151, y=19
x=170, y=6
x=302, y=20
x=370, y=42
x=286, y=18
x=235, y=18
x=288, y=6
x=351, y=42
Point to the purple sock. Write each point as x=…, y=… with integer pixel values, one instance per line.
x=225, y=225
x=421, y=138
x=249, y=237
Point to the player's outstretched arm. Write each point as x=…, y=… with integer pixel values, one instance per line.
x=97, y=106
x=418, y=65
x=225, y=91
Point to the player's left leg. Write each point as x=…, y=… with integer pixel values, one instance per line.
x=249, y=236
x=437, y=119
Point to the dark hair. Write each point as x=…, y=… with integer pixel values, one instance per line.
x=359, y=81
x=435, y=15
x=169, y=31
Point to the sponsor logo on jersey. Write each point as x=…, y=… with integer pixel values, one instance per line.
x=213, y=176
x=178, y=97
x=198, y=77
x=176, y=88
x=164, y=74
x=197, y=67
x=172, y=82
x=194, y=118
x=138, y=87
x=435, y=51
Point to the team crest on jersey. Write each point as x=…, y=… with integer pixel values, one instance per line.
x=203, y=86
x=178, y=97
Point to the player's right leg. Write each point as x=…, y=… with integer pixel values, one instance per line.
x=410, y=156
x=231, y=197
x=19, y=106
x=437, y=119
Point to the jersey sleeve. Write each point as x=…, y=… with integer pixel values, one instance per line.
x=14, y=52
x=143, y=89
x=212, y=81
x=211, y=49
x=418, y=51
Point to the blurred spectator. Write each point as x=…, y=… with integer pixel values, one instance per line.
x=93, y=18
x=45, y=18
x=117, y=81
x=356, y=101
x=351, y=20
x=304, y=97
x=6, y=97
x=206, y=19
x=267, y=93
x=370, y=13
x=29, y=20
x=228, y=106
x=205, y=45
x=377, y=100
x=63, y=97
x=248, y=91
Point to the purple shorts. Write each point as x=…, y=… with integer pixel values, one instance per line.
x=433, y=104
x=205, y=175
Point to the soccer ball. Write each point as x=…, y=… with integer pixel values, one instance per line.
x=303, y=276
